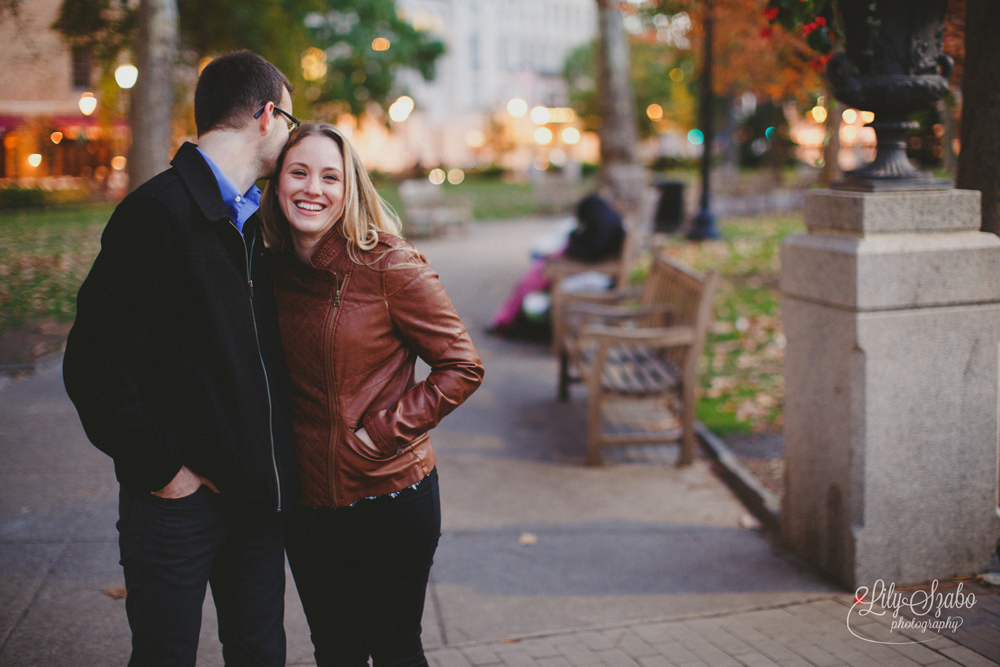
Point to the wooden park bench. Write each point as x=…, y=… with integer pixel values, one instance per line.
x=427, y=212
x=639, y=360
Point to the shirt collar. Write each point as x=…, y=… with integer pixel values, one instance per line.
x=240, y=206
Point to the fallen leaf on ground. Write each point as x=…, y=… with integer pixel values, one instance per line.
x=116, y=593
x=990, y=578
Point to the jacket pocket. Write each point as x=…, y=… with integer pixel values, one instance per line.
x=359, y=448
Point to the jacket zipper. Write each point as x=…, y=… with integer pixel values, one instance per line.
x=260, y=355
x=330, y=391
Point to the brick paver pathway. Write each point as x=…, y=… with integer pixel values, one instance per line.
x=811, y=634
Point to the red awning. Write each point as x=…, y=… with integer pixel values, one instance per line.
x=10, y=123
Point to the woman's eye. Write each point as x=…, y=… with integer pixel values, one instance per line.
x=298, y=172
x=332, y=178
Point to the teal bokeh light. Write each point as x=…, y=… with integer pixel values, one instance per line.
x=696, y=137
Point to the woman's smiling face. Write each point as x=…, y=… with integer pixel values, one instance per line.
x=311, y=188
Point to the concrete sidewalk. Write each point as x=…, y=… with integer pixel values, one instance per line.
x=542, y=561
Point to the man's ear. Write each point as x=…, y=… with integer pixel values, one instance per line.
x=264, y=122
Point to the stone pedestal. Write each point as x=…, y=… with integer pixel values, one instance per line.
x=891, y=308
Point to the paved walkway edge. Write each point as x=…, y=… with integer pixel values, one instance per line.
x=764, y=504
x=676, y=618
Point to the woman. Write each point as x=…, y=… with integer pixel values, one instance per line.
x=357, y=305
x=599, y=235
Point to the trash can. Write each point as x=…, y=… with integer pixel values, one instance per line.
x=670, y=209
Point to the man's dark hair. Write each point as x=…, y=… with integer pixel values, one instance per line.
x=233, y=87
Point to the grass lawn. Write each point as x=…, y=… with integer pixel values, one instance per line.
x=44, y=256
x=742, y=376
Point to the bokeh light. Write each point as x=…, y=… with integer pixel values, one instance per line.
x=475, y=139
x=654, y=112
x=517, y=107
x=88, y=103
x=849, y=116
x=118, y=162
x=571, y=135
x=436, y=176
x=35, y=159
x=867, y=117
x=456, y=176
x=677, y=74
x=401, y=109
x=56, y=137
x=126, y=76
x=380, y=44
x=696, y=137
x=543, y=135
x=818, y=113
x=313, y=64
x=561, y=115
x=540, y=115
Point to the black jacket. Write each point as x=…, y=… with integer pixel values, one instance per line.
x=599, y=232
x=175, y=357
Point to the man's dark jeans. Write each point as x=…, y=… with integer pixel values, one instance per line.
x=171, y=549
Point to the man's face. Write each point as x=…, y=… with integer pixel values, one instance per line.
x=277, y=137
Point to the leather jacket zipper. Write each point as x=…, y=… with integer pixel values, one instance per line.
x=331, y=390
x=260, y=355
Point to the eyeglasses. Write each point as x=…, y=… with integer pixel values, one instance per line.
x=293, y=122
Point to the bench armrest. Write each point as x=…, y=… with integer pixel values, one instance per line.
x=579, y=315
x=557, y=268
x=658, y=337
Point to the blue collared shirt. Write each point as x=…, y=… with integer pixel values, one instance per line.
x=240, y=206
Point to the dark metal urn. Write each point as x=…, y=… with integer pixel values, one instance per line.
x=892, y=66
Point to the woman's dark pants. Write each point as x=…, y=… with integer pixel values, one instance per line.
x=362, y=574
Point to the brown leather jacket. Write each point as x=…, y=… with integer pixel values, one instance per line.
x=352, y=334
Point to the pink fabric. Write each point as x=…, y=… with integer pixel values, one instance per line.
x=534, y=279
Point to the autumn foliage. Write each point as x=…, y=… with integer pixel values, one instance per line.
x=750, y=53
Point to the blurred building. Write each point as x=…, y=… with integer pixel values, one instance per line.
x=497, y=50
x=47, y=87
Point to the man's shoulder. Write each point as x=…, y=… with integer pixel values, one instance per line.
x=162, y=187
x=164, y=197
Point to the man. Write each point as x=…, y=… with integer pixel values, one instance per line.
x=176, y=369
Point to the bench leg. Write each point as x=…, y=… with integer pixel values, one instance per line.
x=563, y=393
x=594, y=428
x=687, y=425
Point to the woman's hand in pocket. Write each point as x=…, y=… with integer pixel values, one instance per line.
x=367, y=440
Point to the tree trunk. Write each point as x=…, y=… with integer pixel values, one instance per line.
x=153, y=94
x=979, y=159
x=831, y=148
x=620, y=168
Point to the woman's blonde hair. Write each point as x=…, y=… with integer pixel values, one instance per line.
x=365, y=213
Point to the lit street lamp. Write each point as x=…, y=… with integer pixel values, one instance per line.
x=87, y=103
x=703, y=226
x=126, y=76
